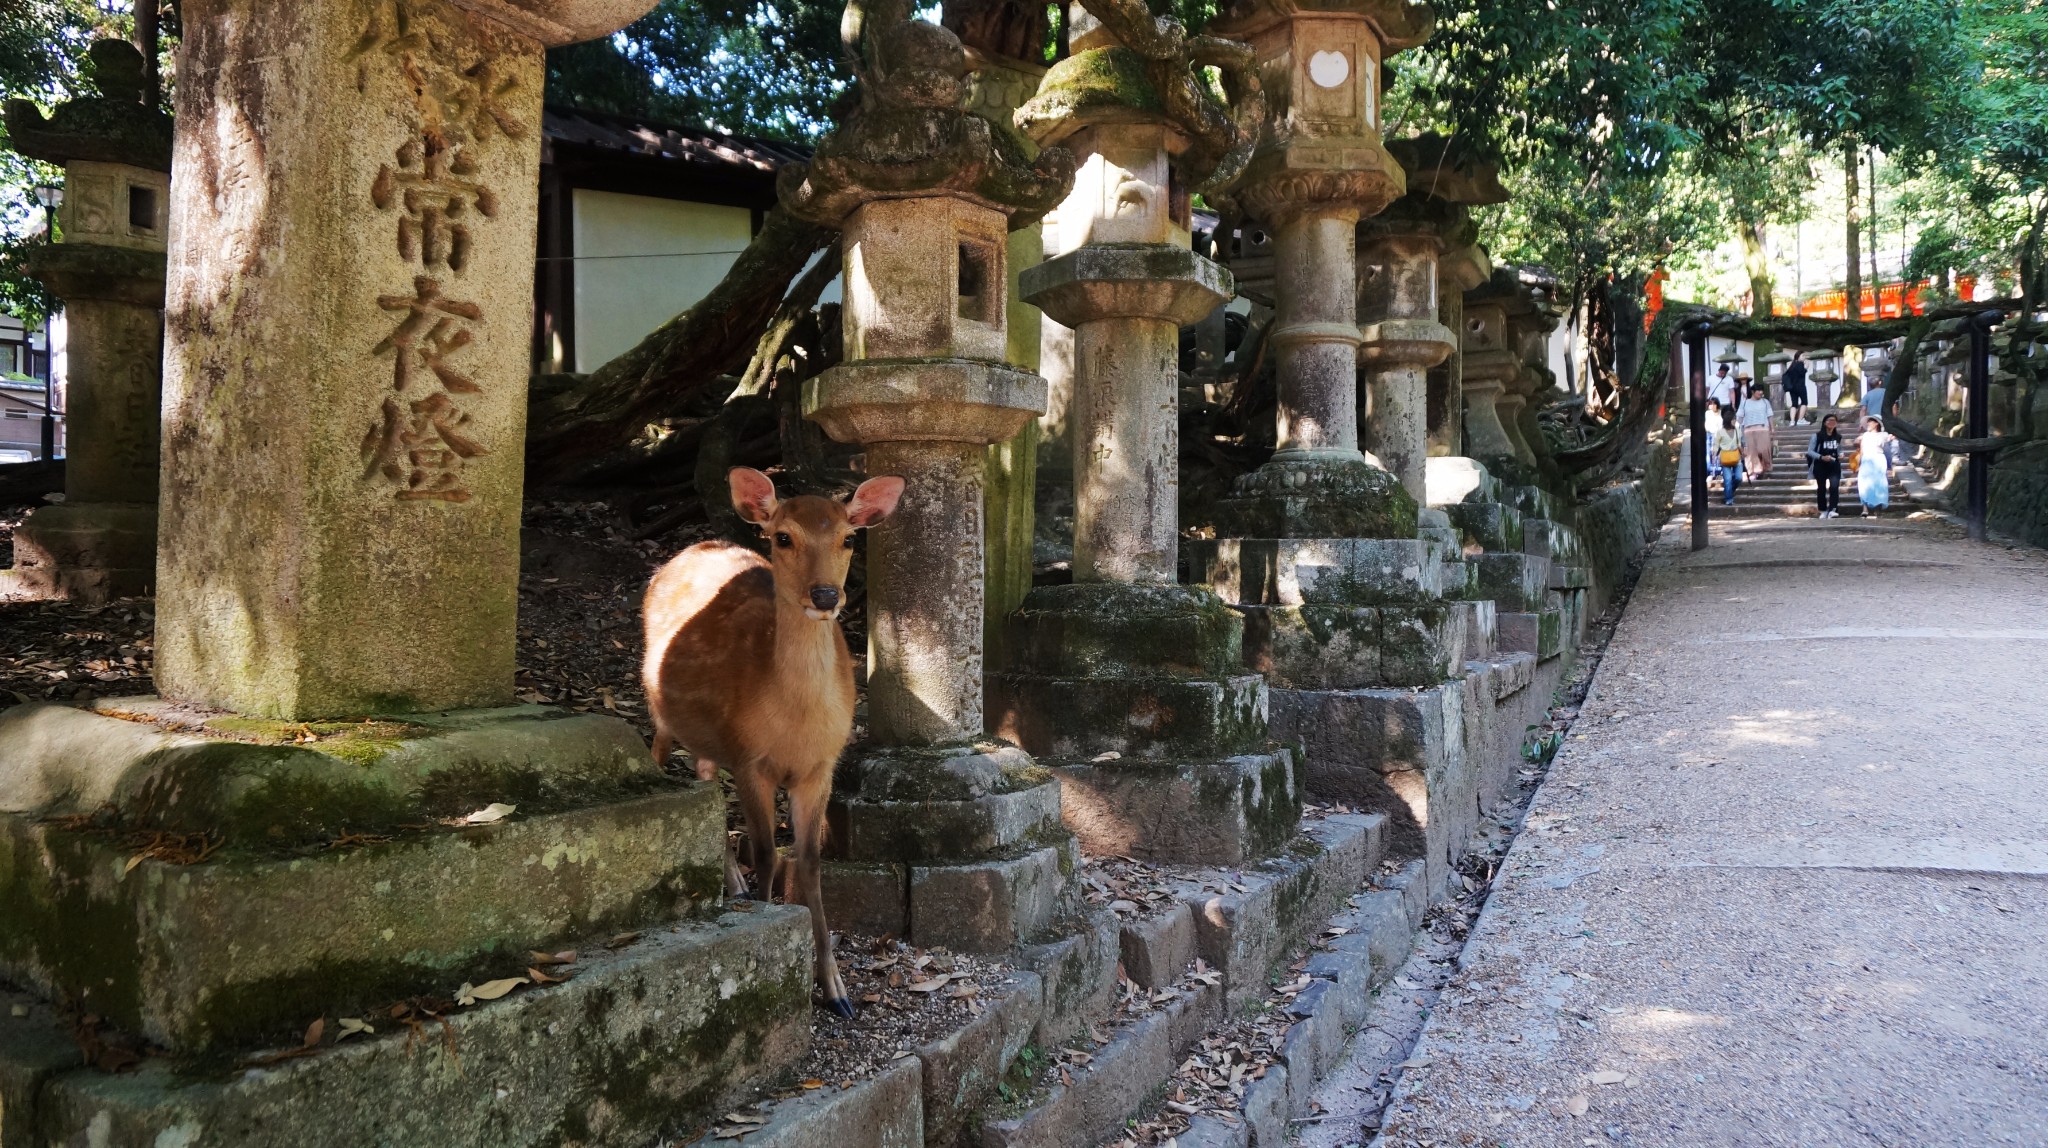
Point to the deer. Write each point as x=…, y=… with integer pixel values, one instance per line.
x=746, y=668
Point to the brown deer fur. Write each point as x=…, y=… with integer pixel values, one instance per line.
x=746, y=668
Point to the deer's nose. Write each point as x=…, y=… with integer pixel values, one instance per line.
x=824, y=597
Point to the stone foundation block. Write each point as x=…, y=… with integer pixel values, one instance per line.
x=1536, y=502
x=1451, y=479
x=1320, y=571
x=1511, y=581
x=242, y=948
x=881, y=831
x=1313, y=647
x=261, y=783
x=962, y=1069
x=1553, y=540
x=1221, y=812
x=1243, y=933
x=885, y=1112
x=872, y=899
x=35, y=1047
x=1158, y=949
x=88, y=552
x=1267, y=1108
x=1078, y=972
x=1481, y=627
x=639, y=1043
x=1489, y=525
x=1108, y=629
x=1568, y=577
x=1421, y=645
x=1116, y=1085
x=1159, y=718
x=1317, y=499
x=1540, y=633
x=989, y=906
x=1401, y=753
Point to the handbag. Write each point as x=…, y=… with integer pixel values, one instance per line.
x=1730, y=457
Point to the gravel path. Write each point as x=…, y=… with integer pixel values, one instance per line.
x=1759, y=901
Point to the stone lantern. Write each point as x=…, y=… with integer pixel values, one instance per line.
x=1125, y=661
x=1320, y=166
x=100, y=542
x=1490, y=364
x=1459, y=270
x=1399, y=304
x=924, y=194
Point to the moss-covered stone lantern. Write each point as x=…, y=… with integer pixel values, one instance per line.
x=924, y=193
x=100, y=542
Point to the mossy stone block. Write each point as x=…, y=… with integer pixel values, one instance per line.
x=1218, y=812
x=238, y=948
x=1317, y=499
x=1514, y=582
x=1489, y=524
x=1313, y=647
x=1320, y=571
x=267, y=786
x=642, y=1042
x=1159, y=718
x=1107, y=629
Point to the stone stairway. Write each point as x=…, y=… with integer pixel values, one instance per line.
x=1786, y=492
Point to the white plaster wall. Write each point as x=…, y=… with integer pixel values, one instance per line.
x=641, y=260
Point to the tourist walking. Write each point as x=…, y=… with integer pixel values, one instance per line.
x=1873, y=395
x=1795, y=389
x=1755, y=416
x=1722, y=390
x=1824, y=463
x=1873, y=467
x=1728, y=456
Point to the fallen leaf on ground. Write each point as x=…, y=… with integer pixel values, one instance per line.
x=495, y=811
x=1608, y=1076
x=541, y=978
x=350, y=1026
x=469, y=994
x=1417, y=1062
x=931, y=986
x=1577, y=1105
x=565, y=957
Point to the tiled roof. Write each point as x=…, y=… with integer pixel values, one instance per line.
x=697, y=146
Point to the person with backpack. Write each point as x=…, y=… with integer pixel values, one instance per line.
x=1795, y=389
x=1728, y=455
x=1824, y=463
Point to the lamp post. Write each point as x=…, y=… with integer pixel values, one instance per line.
x=1978, y=418
x=50, y=197
x=1694, y=333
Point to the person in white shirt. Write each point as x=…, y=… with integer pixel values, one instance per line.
x=1755, y=416
x=1722, y=389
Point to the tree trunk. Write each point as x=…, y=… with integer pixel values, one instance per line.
x=590, y=415
x=1853, y=311
x=145, y=41
x=1876, y=280
x=1756, y=260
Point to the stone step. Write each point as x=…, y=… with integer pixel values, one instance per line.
x=1319, y=571
x=1512, y=581
x=1334, y=647
x=1219, y=812
x=646, y=1041
x=238, y=947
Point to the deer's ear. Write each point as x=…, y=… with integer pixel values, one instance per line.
x=875, y=500
x=753, y=494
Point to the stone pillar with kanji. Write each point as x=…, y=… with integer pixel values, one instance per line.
x=1131, y=685
x=925, y=195
x=100, y=542
x=338, y=811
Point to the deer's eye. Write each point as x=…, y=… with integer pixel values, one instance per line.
x=849, y=542
x=782, y=540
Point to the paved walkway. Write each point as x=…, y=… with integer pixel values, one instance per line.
x=1772, y=902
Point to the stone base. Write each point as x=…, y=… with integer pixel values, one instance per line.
x=1539, y=632
x=959, y=846
x=1317, y=498
x=1340, y=647
x=1488, y=525
x=1113, y=629
x=1320, y=571
x=1224, y=812
x=323, y=875
x=1429, y=760
x=272, y=785
x=1146, y=717
x=1512, y=581
x=651, y=1040
x=89, y=552
x=1553, y=540
x=1452, y=479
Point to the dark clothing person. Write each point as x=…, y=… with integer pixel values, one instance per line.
x=1824, y=457
x=1795, y=384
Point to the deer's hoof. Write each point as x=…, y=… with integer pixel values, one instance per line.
x=841, y=1006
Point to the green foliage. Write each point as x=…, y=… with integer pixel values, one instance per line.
x=766, y=69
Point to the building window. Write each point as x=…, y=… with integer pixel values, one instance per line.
x=17, y=414
x=142, y=207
